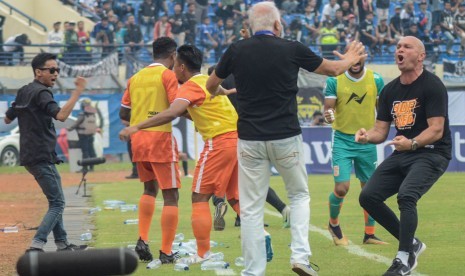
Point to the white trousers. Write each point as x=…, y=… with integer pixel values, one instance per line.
x=254, y=174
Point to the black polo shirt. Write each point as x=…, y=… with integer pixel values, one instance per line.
x=35, y=107
x=266, y=69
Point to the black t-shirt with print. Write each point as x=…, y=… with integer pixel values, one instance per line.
x=265, y=69
x=409, y=106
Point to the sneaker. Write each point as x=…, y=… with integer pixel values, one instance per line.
x=418, y=248
x=397, y=269
x=142, y=249
x=338, y=238
x=305, y=270
x=372, y=239
x=34, y=249
x=189, y=176
x=73, y=247
x=194, y=259
x=132, y=176
x=220, y=211
x=286, y=213
x=237, y=223
x=169, y=259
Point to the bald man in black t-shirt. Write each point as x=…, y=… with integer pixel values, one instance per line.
x=417, y=103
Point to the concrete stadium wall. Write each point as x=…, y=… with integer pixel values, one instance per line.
x=46, y=12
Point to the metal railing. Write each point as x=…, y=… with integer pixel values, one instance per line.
x=29, y=18
x=88, y=54
x=73, y=54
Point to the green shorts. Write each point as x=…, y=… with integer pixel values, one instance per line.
x=345, y=152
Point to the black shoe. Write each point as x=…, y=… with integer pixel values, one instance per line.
x=237, y=223
x=418, y=248
x=220, y=211
x=33, y=249
x=397, y=269
x=73, y=247
x=132, y=176
x=142, y=249
x=169, y=259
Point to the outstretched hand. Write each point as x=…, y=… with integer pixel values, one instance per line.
x=355, y=52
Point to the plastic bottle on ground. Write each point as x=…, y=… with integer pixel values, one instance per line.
x=154, y=264
x=181, y=267
x=175, y=246
x=110, y=202
x=214, y=265
x=131, y=221
x=95, y=210
x=179, y=237
x=239, y=261
x=128, y=207
x=10, y=229
x=218, y=256
x=87, y=236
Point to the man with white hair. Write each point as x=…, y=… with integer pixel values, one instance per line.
x=266, y=68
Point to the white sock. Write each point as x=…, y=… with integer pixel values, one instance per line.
x=403, y=256
x=414, y=241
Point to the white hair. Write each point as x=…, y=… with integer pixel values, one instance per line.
x=263, y=15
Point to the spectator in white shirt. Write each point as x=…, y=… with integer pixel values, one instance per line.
x=329, y=10
x=55, y=39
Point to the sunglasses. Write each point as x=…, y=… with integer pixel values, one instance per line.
x=52, y=70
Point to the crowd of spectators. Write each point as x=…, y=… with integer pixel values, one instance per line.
x=323, y=25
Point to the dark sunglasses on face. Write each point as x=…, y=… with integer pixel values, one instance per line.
x=52, y=70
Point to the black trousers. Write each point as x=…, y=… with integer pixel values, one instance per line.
x=409, y=175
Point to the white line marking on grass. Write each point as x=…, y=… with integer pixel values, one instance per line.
x=227, y=271
x=352, y=248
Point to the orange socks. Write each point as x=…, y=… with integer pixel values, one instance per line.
x=369, y=223
x=201, y=226
x=169, y=224
x=146, y=210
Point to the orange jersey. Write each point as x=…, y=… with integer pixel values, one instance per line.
x=212, y=117
x=148, y=93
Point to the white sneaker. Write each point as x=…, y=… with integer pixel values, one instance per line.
x=286, y=213
x=195, y=259
x=304, y=270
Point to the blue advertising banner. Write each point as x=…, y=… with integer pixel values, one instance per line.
x=317, y=149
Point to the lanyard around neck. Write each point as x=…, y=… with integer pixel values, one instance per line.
x=264, y=32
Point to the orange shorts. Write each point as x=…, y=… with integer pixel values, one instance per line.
x=216, y=171
x=166, y=174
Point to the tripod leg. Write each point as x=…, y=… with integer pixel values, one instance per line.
x=83, y=180
x=85, y=188
x=79, y=187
